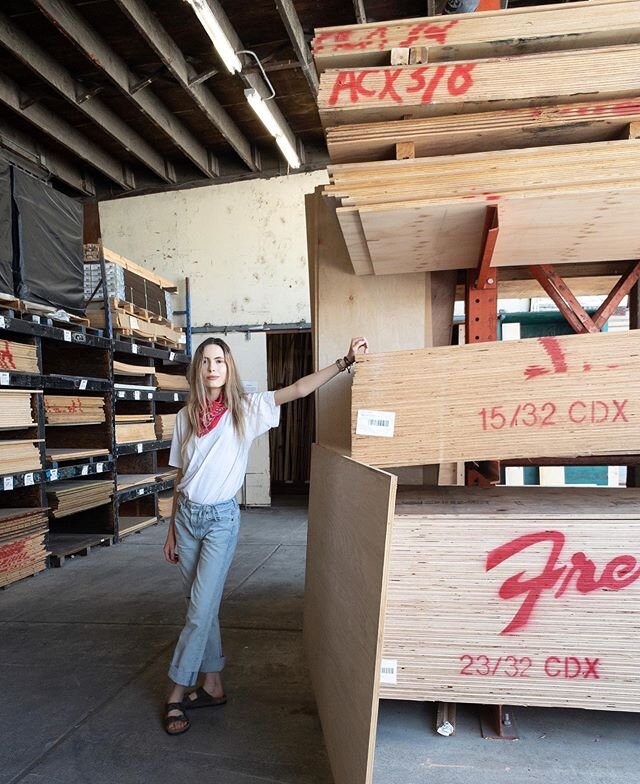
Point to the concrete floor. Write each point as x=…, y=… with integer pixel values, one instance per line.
x=83, y=658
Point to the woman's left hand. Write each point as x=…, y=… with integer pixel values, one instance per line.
x=356, y=345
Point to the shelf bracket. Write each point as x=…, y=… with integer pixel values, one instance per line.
x=486, y=275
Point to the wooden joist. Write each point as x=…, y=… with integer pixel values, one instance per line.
x=545, y=397
x=571, y=123
x=142, y=272
x=374, y=94
x=473, y=36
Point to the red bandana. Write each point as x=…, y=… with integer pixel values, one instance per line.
x=211, y=417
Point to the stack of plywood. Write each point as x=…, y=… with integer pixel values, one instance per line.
x=73, y=410
x=134, y=427
x=21, y=357
x=128, y=369
x=165, y=424
x=514, y=79
x=133, y=321
x=71, y=496
x=19, y=455
x=565, y=396
x=74, y=453
x=15, y=409
x=429, y=214
x=22, y=543
x=171, y=381
x=521, y=597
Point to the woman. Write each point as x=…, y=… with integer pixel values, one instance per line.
x=210, y=449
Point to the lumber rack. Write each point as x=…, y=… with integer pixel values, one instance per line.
x=498, y=722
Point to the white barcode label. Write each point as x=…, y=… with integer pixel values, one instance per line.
x=67, y=335
x=85, y=470
x=53, y=475
x=3, y=323
x=375, y=423
x=389, y=671
x=83, y=383
x=133, y=321
x=172, y=356
x=4, y=379
x=28, y=480
x=134, y=347
x=121, y=394
x=149, y=395
x=141, y=491
x=36, y=319
x=99, y=468
x=136, y=395
x=139, y=448
x=176, y=396
x=8, y=483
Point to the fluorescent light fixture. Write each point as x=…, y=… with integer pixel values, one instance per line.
x=217, y=35
x=261, y=108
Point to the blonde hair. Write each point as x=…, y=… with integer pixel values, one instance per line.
x=198, y=402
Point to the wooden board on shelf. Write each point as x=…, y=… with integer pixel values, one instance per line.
x=165, y=424
x=22, y=543
x=15, y=409
x=127, y=433
x=142, y=272
x=364, y=94
x=70, y=496
x=19, y=455
x=74, y=453
x=128, y=369
x=483, y=131
x=21, y=357
x=171, y=381
x=469, y=617
x=344, y=607
x=561, y=396
x=74, y=409
x=127, y=481
x=130, y=525
x=472, y=35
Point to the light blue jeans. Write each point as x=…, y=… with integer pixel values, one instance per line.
x=206, y=538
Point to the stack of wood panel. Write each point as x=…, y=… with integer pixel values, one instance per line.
x=128, y=369
x=73, y=410
x=165, y=424
x=19, y=455
x=22, y=543
x=171, y=381
x=460, y=626
x=134, y=427
x=15, y=409
x=403, y=216
x=71, y=496
x=21, y=357
x=509, y=79
x=565, y=396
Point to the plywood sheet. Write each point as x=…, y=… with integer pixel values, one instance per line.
x=462, y=628
x=472, y=35
x=545, y=397
x=374, y=94
x=344, y=604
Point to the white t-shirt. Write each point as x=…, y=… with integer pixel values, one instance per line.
x=216, y=463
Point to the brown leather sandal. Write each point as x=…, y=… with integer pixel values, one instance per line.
x=169, y=720
x=203, y=700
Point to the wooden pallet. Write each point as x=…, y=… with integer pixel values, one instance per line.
x=64, y=547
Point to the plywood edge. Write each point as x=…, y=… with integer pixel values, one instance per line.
x=136, y=269
x=351, y=509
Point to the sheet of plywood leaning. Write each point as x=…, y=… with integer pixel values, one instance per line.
x=470, y=36
x=543, y=397
x=519, y=597
x=350, y=508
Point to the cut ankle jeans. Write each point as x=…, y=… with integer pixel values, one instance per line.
x=206, y=538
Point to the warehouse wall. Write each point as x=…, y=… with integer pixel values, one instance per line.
x=243, y=246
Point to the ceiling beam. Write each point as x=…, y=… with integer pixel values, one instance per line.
x=66, y=18
x=64, y=133
x=361, y=14
x=161, y=42
x=41, y=63
x=291, y=21
x=19, y=144
x=251, y=80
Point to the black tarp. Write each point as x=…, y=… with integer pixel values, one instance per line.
x=6, y=241
x=49, y=267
